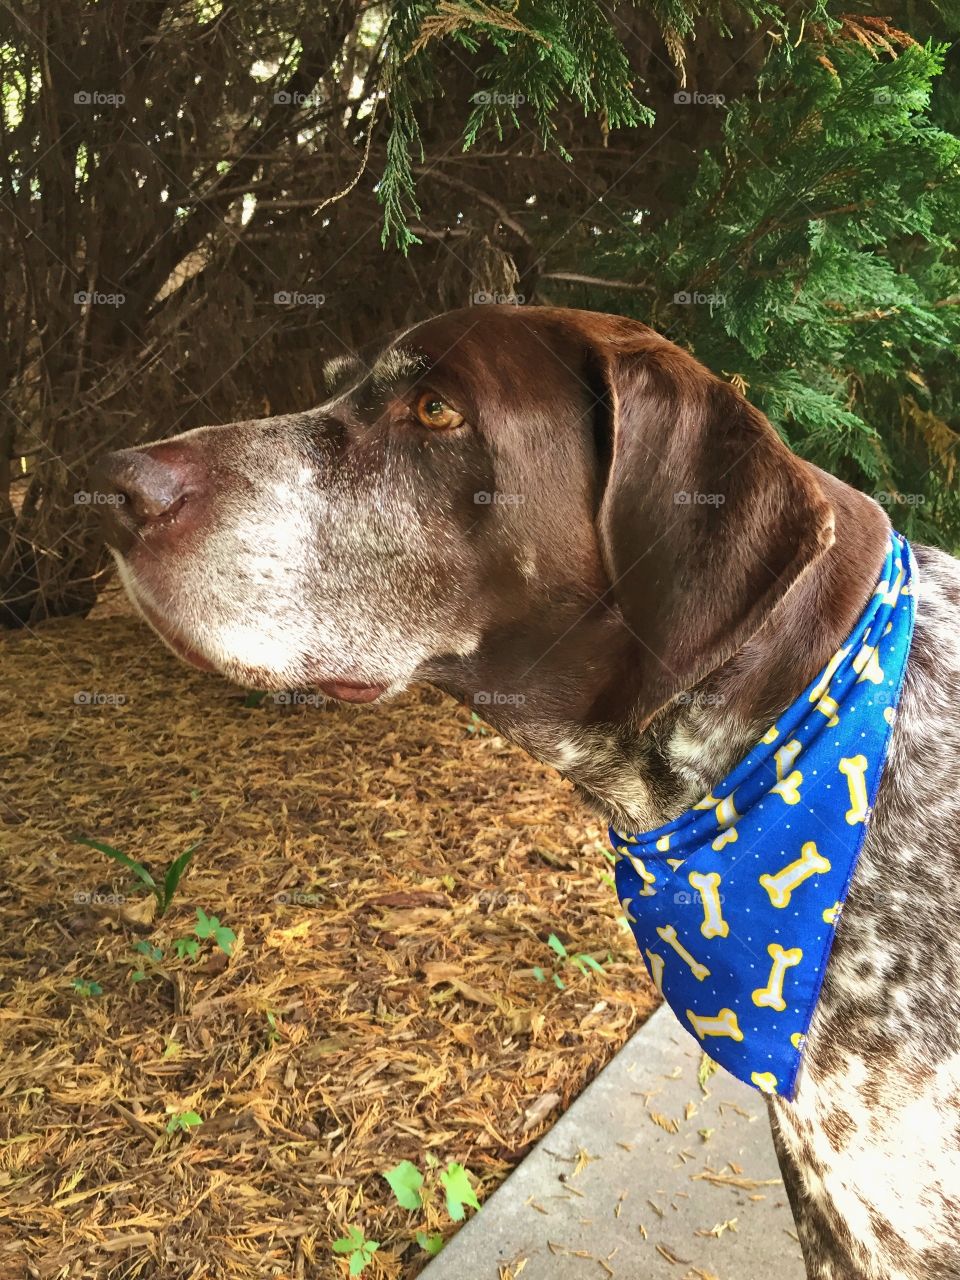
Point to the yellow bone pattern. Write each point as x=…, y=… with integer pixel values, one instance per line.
x=868, y=665
x=648, y=878
x=656, y=969
x=787, y=786
x=828, y=706
x=780, y=886
x=727, y=811
x=708, y=886
x=890, y=595
x=765, y=1081
x=854, y=769
x=669, y=934
x=726, y=816
x=771, y=996
x=823, y=684
x=724, y=838
x=722, y=1024
x=786, y=757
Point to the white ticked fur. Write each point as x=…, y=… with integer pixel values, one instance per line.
x=255, y=594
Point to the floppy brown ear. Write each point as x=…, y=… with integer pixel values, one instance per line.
x=707, y=519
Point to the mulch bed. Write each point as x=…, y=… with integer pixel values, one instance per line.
x=391, y=878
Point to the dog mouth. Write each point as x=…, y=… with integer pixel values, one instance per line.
x=173, y=639
x=355, y=691
x=349, y=691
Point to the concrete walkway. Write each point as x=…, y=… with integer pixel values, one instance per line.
x=644, y=1177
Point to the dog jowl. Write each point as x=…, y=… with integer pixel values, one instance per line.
x=565, y=517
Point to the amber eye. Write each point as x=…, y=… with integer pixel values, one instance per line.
x=433, y=412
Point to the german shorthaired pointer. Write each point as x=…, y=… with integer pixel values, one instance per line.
x=565, y=507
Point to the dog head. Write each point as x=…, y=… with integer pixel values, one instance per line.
x=501, y=491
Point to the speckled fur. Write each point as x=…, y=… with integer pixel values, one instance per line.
x=870, y=1147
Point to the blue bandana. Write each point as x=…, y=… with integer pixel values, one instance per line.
x=734, y=903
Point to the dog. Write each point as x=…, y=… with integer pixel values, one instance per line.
x=565, y=517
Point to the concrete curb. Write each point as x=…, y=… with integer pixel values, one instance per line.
x=610, y=1192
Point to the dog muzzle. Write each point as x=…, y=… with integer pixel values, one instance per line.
x=734, y=904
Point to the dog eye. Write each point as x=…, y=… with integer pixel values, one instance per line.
x=433, y=412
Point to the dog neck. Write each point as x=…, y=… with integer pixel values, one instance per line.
x=641, y=776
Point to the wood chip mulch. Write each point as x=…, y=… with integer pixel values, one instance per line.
x=392, y=879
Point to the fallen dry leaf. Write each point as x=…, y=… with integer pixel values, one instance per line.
x=665, y=1122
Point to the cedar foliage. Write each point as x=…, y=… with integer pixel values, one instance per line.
x=804, y=197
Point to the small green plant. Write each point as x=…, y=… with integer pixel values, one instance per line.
x=580, y=960
x=415, y=1190
x=210, y=927
x=477, y=726
x=405, y=1181
x=605, y=877
x=456, y=1183
x=358, y=1250
x=183, y=1121
x=186, y=948
x=85, y=988
x=430, y=1241
x=162, y=892
x=151, y=955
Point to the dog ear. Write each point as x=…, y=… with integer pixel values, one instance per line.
x=706, y=520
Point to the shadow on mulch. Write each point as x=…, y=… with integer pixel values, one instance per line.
x=392, y=879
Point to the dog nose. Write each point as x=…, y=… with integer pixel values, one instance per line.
x=134, y=489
